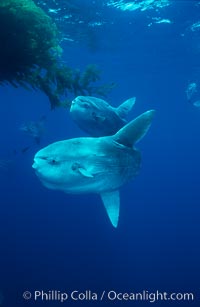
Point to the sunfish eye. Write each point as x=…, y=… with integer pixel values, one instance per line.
x=53, y=161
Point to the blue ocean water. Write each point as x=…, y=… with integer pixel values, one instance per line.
x=54, y=241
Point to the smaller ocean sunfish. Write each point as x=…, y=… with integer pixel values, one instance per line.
x=96, y=117
x=34, y=129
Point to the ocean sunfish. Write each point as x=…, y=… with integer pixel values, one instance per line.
x=94, y=165
x=35, y=129
x=96, y=117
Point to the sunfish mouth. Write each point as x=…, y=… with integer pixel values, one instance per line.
x=35, y=164
x=73, y=104
x=76, y=100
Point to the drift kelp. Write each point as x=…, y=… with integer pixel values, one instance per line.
x=29, y=38
x=30, y=53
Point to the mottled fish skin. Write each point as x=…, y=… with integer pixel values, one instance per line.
x=94, y=165
x=96, y=117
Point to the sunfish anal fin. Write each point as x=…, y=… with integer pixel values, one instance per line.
x=111, y=201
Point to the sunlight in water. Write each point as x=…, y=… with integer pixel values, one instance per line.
x=138, y=5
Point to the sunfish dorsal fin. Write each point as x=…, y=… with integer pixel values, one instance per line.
x=111, y=201
x=135, y=130
x=125, y=107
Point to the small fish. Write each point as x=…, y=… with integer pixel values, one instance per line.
x=94, y=165
x=191, y=90
x=197, y=104
x=96, y=117
x=34, y=128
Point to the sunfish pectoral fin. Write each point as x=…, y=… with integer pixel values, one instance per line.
x=111, y=201
x=134, y=130
x=98, y=118
x=125, y=107
x=85, y=173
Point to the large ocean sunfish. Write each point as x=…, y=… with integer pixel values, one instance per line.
x=96, y=117
x=94, y=165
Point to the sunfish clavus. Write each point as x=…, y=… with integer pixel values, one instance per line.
x=98, y=118
x=94, y=165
